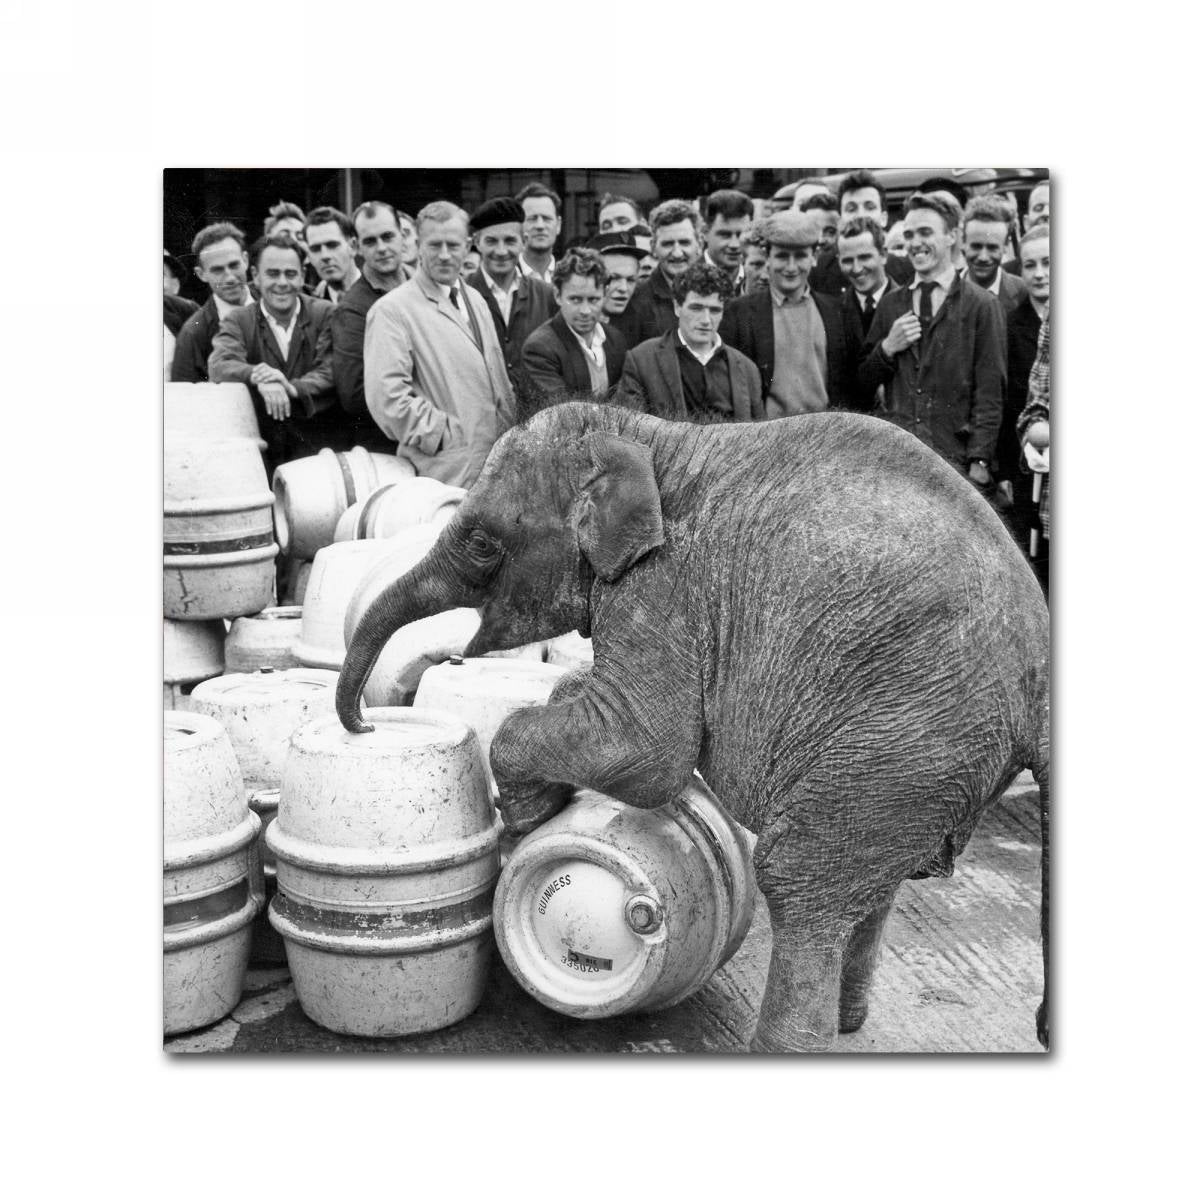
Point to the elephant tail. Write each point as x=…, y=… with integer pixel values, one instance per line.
x=1042, y=774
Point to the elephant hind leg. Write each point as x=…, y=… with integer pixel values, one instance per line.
x=800, y=1006
x=858, y=968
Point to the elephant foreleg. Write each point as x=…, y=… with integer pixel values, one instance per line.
x=800, y=1006
x=858, y=968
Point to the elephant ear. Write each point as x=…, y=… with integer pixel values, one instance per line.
x=620, y=518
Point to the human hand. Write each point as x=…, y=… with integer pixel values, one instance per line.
x=1038, y=434
x=275, y=398
x=905, y=331
x=979, y=473
x=264, y=373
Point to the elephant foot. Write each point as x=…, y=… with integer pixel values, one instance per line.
x=525, y=809
x=790, y=1041
x=851, y=1016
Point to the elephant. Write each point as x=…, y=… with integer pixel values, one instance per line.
x=817, y=613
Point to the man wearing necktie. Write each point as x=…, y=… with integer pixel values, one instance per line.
x=937, y=348
x=433, y=368
x=862, y=259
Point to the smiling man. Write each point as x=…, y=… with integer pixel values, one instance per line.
x=221, y=263
x=728, y=215
x=518, y=303
x=792, y=334
x=574, y=352
x=617, y=213
x=433, y=368
x=539, y=230
x=986, y=226
x=377, y=230
x=674, y=228
x=937, y=348
x=689, y=373
x=281, y=348
x=862, y=260
x=329, y=236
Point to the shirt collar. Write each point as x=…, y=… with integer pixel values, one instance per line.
x=224, y=309
x=738, y=276
x=262, y=304
x=495, y=287
x=523, y=268
x=778, y=300
x=876, y=295
x=598, y=336
x=717, y=344
x=944, y=280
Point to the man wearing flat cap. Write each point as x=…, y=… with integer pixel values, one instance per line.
x=793, y=335
x=433, y=368
x=518, y=303
x=622, y=258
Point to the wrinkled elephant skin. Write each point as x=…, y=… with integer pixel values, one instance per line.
x=817, y=613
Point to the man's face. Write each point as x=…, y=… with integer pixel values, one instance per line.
x=865, y=202
x=755, y=262
x=442, y=247
x=223, y=267
x=983, y=248
x=499, y=247
x=1039, y=204
x=809, y=189
x=542, y=224
x=894, y=242
x=788, y=267
x=828, y=223
x=580, y=299
x=861, y=262
x=676, y=247
x=280, y=276
x=616, y=217
x=470, y=264
x=723, y=241
x=1035, y=268
x=622, y=279
x=379, y=241
x=409, y=253
x=330, y=252
x=170, y=283
x=699, y=318
x=930, y=245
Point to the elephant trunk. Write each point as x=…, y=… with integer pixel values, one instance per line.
x=422, y=592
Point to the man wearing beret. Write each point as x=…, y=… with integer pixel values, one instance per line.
x=433, y=368
x=794, y=335
x=518, y=303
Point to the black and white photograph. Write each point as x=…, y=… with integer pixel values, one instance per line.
x=606, y=611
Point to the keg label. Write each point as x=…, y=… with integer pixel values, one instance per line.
x=553, y=886
x=586, y=963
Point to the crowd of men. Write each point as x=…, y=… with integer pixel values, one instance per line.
x=429, y=336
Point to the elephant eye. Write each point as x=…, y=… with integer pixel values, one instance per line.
x=480, y=545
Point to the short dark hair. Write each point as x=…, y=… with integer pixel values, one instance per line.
x=822, y=200
x=210, y=235
x=937, y=204
x=610, y=198
x=370, y=208
x=704, y=280
x=857, y=181
x=856, y=226
x=579, y=261
x=728, y=203
x=671, y=212
x=281, y=241
x=989, y=207
x=326, y=215
x=280, y=210
x=539, y=190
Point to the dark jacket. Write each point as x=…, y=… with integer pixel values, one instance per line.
x=652, y=382
x=347, y=326
x=856, y=340
x=244, y=339
x=193, y=345
x=554, y=361
x=1024, y=325
x=948, y=388
x=532, y=305
x=749, y=326
x=650, y=312
x=826, y=277
x=176, y=311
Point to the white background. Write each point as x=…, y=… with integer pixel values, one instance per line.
x=99, y=98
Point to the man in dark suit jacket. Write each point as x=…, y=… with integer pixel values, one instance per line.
x=794, y=335
x=861, y=257
x=937, y=348
x=222, y=263
x=688, y=373
x=281, y=348
x=676, y=244
x=986, y=225
x=574, y=353
x=518, y=303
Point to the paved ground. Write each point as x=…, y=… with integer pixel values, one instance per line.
x=961, y=971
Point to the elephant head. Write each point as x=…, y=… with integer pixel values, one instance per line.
x=565, y=499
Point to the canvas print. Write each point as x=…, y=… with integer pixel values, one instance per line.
x=606, y=610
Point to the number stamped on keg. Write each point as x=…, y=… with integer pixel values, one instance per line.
x=587, y=963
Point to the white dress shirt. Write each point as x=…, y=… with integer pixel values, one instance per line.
x=224, y=308
x=283, y=334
